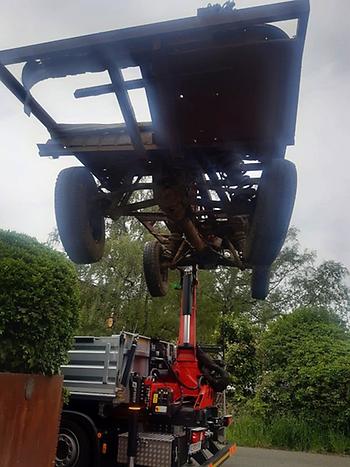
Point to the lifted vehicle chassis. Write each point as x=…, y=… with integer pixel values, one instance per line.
x=207, y=177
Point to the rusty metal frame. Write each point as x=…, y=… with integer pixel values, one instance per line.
x=137, y=46
x=28, y=101
x=127, y=42
x=122, y=95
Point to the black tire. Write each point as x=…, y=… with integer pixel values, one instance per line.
x=79, y=220
x=74, y=446
x=156, y=276
x=260, y=282
x=271, y=218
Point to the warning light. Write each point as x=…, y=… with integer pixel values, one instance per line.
x=197, y=434
x=134, y=408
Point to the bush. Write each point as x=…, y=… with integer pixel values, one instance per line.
x=306, y=370
x=39, y=305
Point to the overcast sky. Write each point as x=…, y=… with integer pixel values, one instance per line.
x=321, y=153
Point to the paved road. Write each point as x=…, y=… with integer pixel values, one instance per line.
x=251, y=457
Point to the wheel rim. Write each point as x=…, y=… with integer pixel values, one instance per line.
x=67, y=450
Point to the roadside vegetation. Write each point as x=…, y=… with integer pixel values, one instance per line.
x=288, y=356
x=39, y=305
x=288, y=432
x=301, y=397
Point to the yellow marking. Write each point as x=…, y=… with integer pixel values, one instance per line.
x=224, y=458
x=155, y=398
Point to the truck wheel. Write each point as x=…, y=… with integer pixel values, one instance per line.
x=156, y=276
x=74, y=446
x=260, y=282
x=80, y=221
x=274, y=206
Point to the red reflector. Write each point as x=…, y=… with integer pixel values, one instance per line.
x=233, y=449
x=228, y=419
x=197, y=435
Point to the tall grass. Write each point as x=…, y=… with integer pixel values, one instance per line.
x=288, y=433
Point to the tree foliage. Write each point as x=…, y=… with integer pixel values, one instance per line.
x=39, y=305
x=306, y=368
x=298, y=279
x=240, y=339
x=116, y=286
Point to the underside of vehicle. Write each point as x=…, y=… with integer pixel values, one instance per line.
x=207, y=176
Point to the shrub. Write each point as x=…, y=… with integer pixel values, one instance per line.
x=306, y=370
x=39, y=305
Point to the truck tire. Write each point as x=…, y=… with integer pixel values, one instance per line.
x=271, y=218
x=156, y=276
x=74, y=446
x=79, y=220
x=260, y=282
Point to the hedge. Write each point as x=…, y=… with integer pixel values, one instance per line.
x=39, y=305
x=306, y=359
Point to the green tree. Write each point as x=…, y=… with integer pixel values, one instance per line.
x=240, y=340
x=306, y=368
x=115, y=285
x=39, y=305
x=297, y=280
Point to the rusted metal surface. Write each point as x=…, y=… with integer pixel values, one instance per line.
x=126, y=107
x=30, y=104
x=222, y=89
x=30, y=407
x=209, y=79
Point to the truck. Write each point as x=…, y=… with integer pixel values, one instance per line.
x=141, y=401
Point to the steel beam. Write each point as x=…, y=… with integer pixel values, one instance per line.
x=107, y=88
x=28, y=100
x=136, y=36
x=123, y=98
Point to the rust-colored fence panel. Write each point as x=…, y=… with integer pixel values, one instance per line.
x=30, y=407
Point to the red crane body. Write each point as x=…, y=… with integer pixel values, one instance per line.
x=184, y=381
